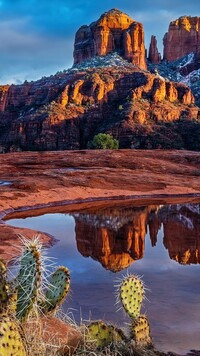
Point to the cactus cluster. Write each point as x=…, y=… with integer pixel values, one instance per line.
x=131, y=294
x=24, y=294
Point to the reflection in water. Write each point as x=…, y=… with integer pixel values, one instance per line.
x=116, y=237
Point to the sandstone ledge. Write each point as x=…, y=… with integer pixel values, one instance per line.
x=71, y=180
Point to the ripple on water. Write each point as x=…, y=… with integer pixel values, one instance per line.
x=3, y=182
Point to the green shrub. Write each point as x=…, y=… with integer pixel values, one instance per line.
x=103, y=141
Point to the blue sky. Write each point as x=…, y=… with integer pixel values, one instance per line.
x=36, y=36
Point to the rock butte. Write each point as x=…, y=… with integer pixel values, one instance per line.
x=117, y=248
x=66, y=110
x=183, y=37
x=114, y=31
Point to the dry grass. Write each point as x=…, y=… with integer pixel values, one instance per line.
x=40, y=345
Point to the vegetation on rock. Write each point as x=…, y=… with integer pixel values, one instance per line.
x=104, y=141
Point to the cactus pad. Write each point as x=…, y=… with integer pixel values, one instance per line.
x=59, y=283
x=140, y=331
x=131, y=292
x=103, y=334
x=2, y=268
x=4, y=288
x=28, y=281
x=11, y=339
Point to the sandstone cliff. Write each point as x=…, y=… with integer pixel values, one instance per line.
x=183, y=37
x=112, y=94
x=181, y=233
x=114, y=31
x=65, y=111
x=154, y=55
x=116, y=236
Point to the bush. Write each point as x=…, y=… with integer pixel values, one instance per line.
x=103, y=141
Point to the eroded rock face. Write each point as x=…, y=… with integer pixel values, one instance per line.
x=3, y=96
x=114, y=31
x=183, y=37
x=66, y=111
x=181, y=233
x=115, y=238
x=154, y=55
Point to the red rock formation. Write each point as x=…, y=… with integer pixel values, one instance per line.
x=181, y=226
x=154, y=55
x=66, y=110
x=115, y=249
x=183, y=37
x=3, y=96
x=133, y=45
x=114, y=31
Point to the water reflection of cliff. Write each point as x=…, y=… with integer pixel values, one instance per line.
x=116, y=236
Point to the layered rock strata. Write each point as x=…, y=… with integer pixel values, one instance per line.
x=114, y=31
x=66, y=111
x=116, y=238
x=183, y=37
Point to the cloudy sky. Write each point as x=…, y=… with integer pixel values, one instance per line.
x=36, y=36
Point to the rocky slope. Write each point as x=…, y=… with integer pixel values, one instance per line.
x=181, y=58
x=110, y=93
x=65, y=111
x=184, y=70
x=114, y=31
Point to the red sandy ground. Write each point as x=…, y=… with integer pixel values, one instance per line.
x=75, y=179
x=42, y=180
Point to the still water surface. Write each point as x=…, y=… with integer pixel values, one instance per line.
x=160, y=243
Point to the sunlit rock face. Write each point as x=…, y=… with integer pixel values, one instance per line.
x=116, y=237
x=111, y=92
x=181, y=226
x=154, y=56
x=114, y=31
x=65, y=111
x=183, y=37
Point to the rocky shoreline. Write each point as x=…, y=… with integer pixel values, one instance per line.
x=52, y=181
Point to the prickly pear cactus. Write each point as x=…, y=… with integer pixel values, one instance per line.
x=140, y=331
x=2, y=268
x=131, y=293
x=12, y=305
x=4, y=288
x=59, y=283
x=103, y=335
x=28, y=281
x=11, y=338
